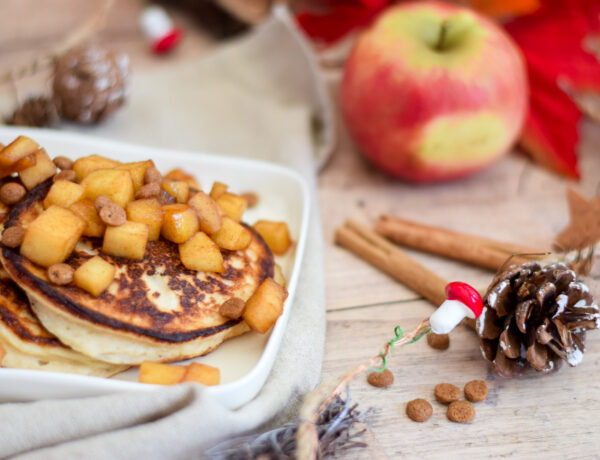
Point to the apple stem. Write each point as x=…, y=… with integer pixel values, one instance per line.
x=442, y=36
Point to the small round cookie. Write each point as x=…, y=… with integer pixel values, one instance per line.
x=419, y=410
x=381, y=379
x=438, y=341
x=446, y=393
x=476, y=390
x=461, y=411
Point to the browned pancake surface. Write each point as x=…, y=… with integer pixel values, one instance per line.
x=156, y=297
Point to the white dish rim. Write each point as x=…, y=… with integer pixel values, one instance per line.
x=262, y=368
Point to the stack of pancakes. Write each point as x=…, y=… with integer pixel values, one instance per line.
x=155, y=309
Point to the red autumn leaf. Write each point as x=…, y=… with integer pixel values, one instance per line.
x=340, y=18
x=551, y=40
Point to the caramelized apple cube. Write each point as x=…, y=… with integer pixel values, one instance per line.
x=84, y=166
x=87, y=211
x=200, y=253
x=275, y=234
x=127, y=240
x=208, y=212
x=44, y=168
x=63, y=193
x=217, y=190
x=137, y=169
x=21, y=147
x=265, y=306
x=160, y=373
x=180, y=223
x=178, y=189
x=94, y=275
x=232, y=235
x=232, y=205
x=202, y=373
x=147, y=211
x=179, y=174
x=51, y=236
x=114, y=183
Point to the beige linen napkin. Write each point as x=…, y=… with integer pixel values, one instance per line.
x=253, y=98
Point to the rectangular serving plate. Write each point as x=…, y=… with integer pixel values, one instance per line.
x=246, y=361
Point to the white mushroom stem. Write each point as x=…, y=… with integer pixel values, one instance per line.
x=155, y=23
x=448, y=315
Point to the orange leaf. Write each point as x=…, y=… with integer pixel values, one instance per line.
x=551, y=41
x=505, y=8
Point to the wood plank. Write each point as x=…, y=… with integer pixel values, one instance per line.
x=551, y=416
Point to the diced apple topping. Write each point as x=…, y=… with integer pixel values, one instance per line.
x=218, y=189
x=180, y=223
x=232, y=205
x=84, y=166
x=87, y=211
x=202, y=373
x=63, y=193
x=232, y=235
x=171, y=374
x=178, y=189
x=43, y=169
x=51, y=237
x=114, y=183
x=160, y=373
x=179, y=174
x=147, y=211
x=137, y=169
x=275, y=234
x=208, y=212
x=94, y=275
x=21, y=147
x=128, y=240
x=265, y=306
x=200, y=253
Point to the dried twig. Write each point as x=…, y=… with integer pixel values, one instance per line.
x=335, y=429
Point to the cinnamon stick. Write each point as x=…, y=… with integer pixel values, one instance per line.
x=475, y=250
x=375, y=249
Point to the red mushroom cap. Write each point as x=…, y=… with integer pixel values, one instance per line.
x=167, y=42
x=465, y=294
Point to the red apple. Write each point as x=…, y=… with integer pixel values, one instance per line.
x=433, y=91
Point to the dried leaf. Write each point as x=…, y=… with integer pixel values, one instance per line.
x=338, y=18
x=584, y=226
x=551, y=41
x=505, y=8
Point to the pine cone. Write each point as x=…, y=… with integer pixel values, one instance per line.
x=90, y=83
x=535, y=316
x=35, y=111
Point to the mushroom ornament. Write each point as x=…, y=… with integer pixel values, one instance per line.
x=159, y=29
x=462, y=301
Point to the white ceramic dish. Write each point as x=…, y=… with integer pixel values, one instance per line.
x=245, y=362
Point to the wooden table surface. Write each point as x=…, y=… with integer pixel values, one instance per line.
x=555, y=416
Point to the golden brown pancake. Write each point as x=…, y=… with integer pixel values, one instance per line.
x=155, y=309
x=29, y=345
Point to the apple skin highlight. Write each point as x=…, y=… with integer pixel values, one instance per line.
x=427, y=115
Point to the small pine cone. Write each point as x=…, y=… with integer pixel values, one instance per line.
x=90, y=83
x=35, y=111
x=535, y=316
